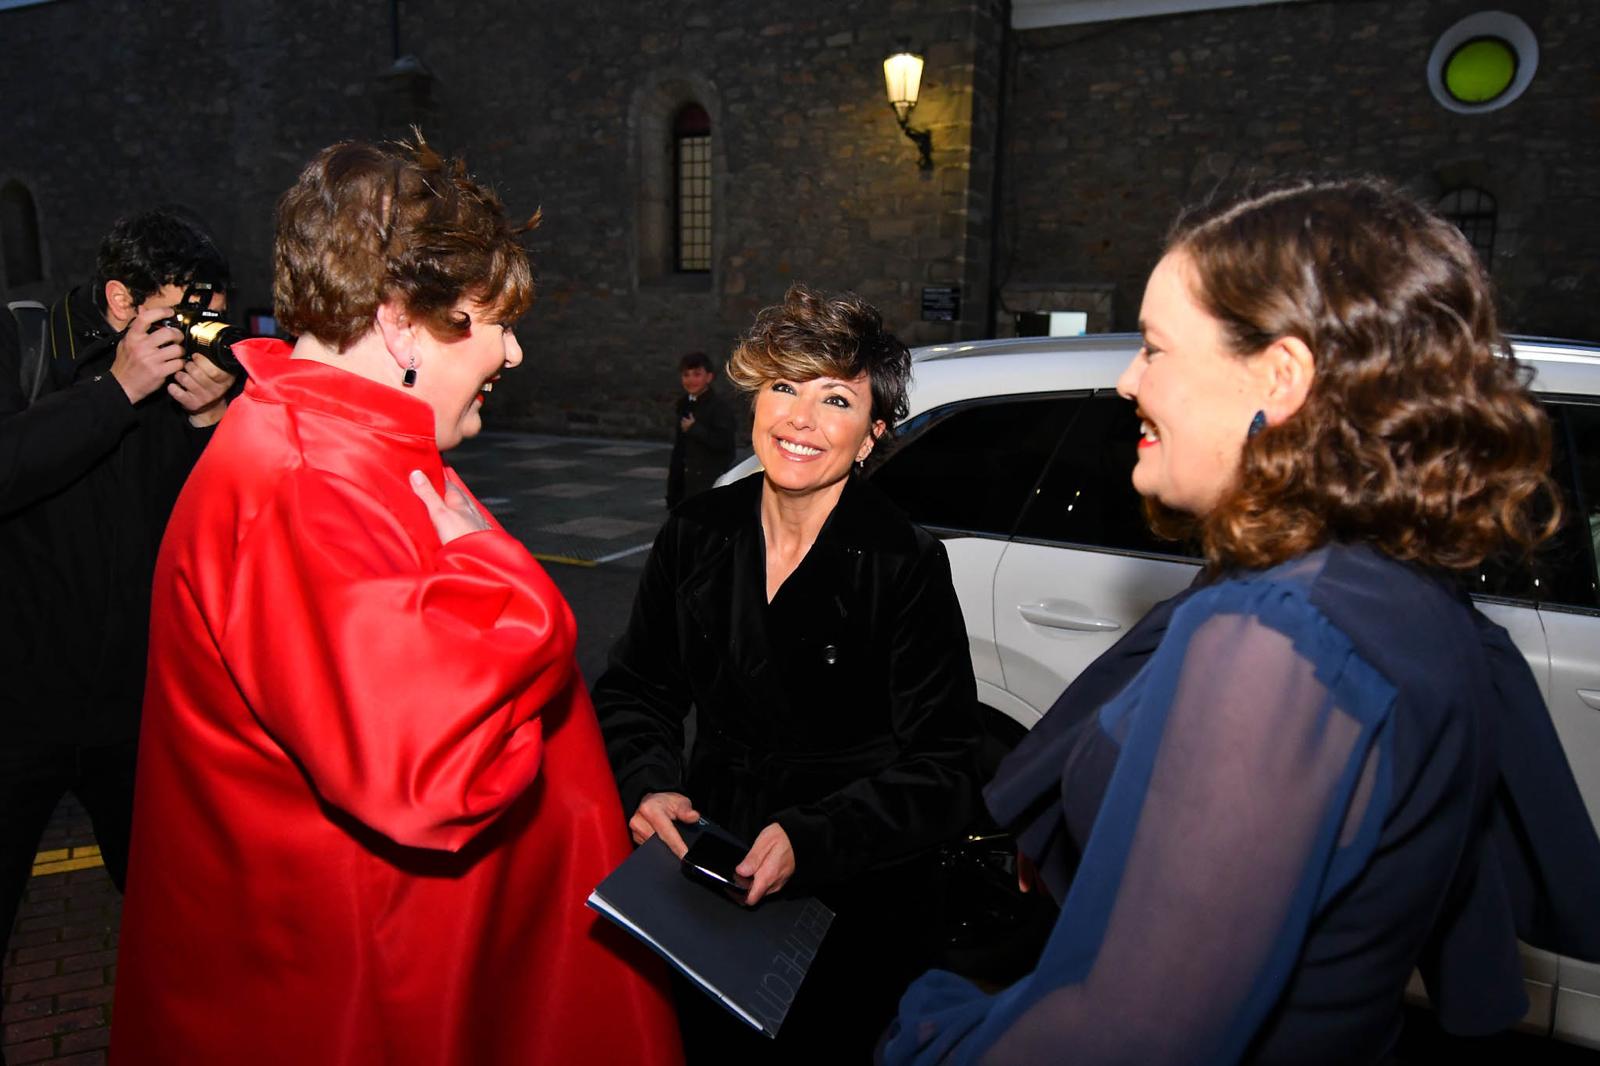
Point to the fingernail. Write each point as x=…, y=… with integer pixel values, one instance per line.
x=418, y=478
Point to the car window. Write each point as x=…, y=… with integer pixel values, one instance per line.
x=1579, y=426
x=1562, y=573
x=1087, y=495
x=970, y=466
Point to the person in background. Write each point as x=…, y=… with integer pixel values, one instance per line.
x=702, y=445
x=816, y=634
x=1319, y=768
x=101, y=419
x=372, y=794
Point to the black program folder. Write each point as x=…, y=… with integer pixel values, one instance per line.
x=751, y=960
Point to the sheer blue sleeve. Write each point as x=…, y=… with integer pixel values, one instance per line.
x=1250, y=789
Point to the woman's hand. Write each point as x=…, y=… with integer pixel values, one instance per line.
x=453, y=515
x=769, y=865
x=658, y=815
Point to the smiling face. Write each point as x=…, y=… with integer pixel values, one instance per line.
x=1195, y=397
x=454, y=376
x=807, y=433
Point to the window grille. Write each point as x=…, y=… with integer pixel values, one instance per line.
x=692, y=139
x=1473, y=211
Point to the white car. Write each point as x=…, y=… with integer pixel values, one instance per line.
x=1018, y=454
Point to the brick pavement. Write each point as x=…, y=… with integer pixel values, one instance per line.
x=61, y=960
x=581, y=502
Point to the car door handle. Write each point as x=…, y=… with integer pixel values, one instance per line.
x=1060, y=614
x=1591, y=696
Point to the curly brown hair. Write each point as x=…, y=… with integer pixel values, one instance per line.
x=366, y=223
x=812, y=335
x=1419, y=435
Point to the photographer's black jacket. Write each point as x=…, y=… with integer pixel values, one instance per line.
x=87, y=480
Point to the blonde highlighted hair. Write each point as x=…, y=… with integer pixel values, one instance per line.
x=815, y=335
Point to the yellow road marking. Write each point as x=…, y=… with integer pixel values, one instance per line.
x=60, y=860
x=565, y=560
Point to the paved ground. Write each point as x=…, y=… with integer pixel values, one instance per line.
x=570, y=500
x=589, y=508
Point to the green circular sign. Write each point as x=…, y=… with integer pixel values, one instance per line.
x=1480, y=70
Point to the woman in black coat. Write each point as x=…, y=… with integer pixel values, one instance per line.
x=816, y=633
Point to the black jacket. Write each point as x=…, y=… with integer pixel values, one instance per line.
x=87, y=481
x=701, y=454
x=845, y=710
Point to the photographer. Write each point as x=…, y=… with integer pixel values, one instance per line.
x=89, y=472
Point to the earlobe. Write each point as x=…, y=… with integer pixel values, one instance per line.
x=119, y=301
x=399, y=335
x=1293, y=367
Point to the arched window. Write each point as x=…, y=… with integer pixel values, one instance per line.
x=679, y=168
x=19, y=235
x=691, y=137
x=1473, y=212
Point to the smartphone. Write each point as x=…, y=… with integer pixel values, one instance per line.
x=711, y=860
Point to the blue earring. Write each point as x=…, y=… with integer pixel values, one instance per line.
x=1257, y=424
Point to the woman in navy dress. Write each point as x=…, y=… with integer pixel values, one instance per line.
x=1320, y=768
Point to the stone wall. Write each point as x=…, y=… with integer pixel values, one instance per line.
x=1060, y=154
x=813, y=182
x=561, y=107
x=1113, y=126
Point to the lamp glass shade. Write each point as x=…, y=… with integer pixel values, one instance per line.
x=902, y=77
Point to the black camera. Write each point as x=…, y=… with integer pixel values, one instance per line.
x=204, y=330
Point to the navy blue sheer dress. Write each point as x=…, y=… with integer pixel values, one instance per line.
x=1260, y=810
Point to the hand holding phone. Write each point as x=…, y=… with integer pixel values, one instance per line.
x=711, y=861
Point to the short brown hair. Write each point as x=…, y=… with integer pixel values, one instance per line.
x=366, y=223
x=1419, y=435
x=812, y=335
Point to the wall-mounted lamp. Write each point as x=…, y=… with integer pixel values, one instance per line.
x=902, y=76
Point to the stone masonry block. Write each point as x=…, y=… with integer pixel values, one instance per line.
x=55, y=985
x=56, y=1024
x=32, y=1051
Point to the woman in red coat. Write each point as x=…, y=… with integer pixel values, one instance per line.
x=372, y=795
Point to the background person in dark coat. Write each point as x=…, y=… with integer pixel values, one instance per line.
x=817, y=634
x=702, y=445
x=89, y=472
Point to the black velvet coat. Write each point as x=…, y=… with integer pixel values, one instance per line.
x=845, y=710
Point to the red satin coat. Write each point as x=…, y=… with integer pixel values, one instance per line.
x=372, y=796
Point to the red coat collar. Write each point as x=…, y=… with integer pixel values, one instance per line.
x=310, y=385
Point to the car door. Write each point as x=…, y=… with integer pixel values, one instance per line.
x=1569, y=610
x=964, y=472
x=1082, y=567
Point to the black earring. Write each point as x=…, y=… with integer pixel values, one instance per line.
x=1257, y=424
x=410, y=380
